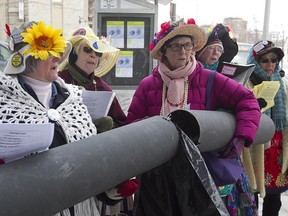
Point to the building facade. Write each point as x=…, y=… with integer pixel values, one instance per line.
x=64, y=14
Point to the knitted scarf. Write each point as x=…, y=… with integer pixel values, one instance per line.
x=79, y=78
x=175, y=81
x=278, y=112
x=211, y=67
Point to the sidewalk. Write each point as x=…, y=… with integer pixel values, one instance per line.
x=125, y=94
x=284, y=208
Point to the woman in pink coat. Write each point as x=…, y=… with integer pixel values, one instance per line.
x=179, y=81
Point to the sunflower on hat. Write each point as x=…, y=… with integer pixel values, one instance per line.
x=44, y=40
x=37, y=40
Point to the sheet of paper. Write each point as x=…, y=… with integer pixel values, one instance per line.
x=267, y=90
x=20, y=140
x=98, y=102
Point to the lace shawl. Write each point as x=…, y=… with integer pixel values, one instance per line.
x=17, y=106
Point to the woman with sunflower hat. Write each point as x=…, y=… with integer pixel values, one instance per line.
x=32, y=92
x=92, y=57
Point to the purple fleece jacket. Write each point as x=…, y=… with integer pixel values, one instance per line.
x=226, y=94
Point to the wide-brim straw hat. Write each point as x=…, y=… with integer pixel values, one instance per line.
x=100, y=45
x=170, y=30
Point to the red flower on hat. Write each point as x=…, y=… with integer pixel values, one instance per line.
x=191, y=21
x=165, y=25
x=228, y=28
x=254, y=53
x=151, y=46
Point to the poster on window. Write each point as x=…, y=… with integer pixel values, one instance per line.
x=124, y=65
x=115, y=33
x=135, y=34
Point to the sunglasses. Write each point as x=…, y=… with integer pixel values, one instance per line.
x=266, y=60
x=90, y=50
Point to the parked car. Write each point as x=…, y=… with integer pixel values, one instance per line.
x=243, y=51
x=4, y=54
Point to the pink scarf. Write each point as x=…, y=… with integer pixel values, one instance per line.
x=175, y=81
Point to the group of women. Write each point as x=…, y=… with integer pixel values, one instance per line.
x=32, y=86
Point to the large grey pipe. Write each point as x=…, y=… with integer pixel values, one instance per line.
x=214, y=129
x=51, y=181
x=48, y=182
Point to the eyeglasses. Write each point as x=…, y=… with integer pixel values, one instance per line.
x=266, y=60
x=90, y=50
x=177, y=47
x=216, y=49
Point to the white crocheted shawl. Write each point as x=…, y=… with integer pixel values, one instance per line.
x=17, y=106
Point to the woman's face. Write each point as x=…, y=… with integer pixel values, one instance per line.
x=177, y=58
x=211, y=54
x=88, y=59
x=268, y=63
x=46, y=71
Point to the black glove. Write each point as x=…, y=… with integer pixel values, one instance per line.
x=262, y=103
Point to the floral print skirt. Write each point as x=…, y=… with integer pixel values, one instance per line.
x=241, y=200
x=275, y=181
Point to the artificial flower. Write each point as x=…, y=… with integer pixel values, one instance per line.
x=151, y=46
x=44, y=40
x=191, y=21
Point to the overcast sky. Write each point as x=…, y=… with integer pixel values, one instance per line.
x=212, y=12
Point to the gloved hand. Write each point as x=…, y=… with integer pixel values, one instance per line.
x=104, y=124
x=262, y=102
x=234, y=148
x=124, y=189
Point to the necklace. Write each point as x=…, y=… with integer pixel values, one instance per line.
x=184, y=100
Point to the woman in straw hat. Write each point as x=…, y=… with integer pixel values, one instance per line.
x=92, y=57
x=179, y=81
x=32, y=92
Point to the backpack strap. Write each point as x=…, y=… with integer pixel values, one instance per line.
x=209, y=89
